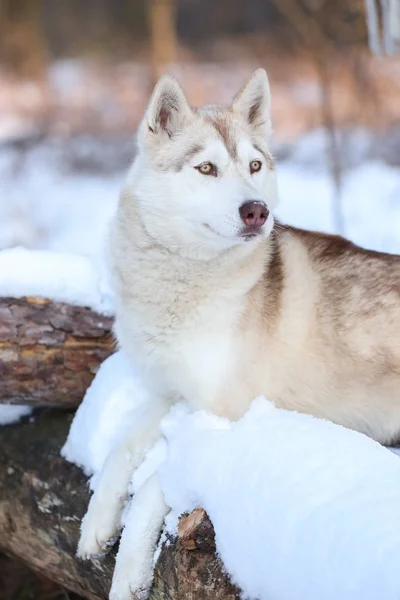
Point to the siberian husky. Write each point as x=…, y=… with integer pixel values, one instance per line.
x=217, y=304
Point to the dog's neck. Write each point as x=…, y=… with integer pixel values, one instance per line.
x=175, y=272
x=163, y=288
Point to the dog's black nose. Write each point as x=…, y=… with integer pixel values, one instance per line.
x=254, y=213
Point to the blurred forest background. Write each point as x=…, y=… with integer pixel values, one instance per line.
x=75, y=76
x=70, y=66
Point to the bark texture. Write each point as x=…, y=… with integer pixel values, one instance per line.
x=49, y=351
x=42, y=501
x=188, y=567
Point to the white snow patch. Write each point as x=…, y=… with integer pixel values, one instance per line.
x=154, y=459
x=301, y=508
x=12, y=413
x=45, y=206
x=110, y=405
x=58, y=276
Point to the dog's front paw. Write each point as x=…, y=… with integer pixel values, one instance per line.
x=91, y=547
x=99, y=531
x=142, y=594
x=129, y=584
x=133, y=573
x=127, y=592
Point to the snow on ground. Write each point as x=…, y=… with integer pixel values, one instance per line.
x=301, y=508
x=55, y=199
x=12, y=413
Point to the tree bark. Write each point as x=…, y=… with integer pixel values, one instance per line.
x=43, y=499
x=50, y=351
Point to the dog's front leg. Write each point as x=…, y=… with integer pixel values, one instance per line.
x=102, y=522
x=133, y=572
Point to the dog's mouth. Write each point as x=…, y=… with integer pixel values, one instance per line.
x=249, y=232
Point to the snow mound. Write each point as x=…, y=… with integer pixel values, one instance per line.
x=58, y=276
x=12, y=413
x=301, y=508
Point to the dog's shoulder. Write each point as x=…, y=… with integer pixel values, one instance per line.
x=326, y=249
x=349, y=276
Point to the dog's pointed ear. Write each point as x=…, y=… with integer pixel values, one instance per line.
x=253, y=102
x=167, y=111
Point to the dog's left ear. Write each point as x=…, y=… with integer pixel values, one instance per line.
x=167, y=112
x=253, y=102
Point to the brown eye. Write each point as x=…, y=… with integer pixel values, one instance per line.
x=255, y=166
x=207, y=169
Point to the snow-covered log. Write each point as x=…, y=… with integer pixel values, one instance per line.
x=42, y=501
x=50, y=351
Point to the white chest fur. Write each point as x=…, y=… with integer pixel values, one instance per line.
x=179, y=319
x=189, y=357
x=202, y=355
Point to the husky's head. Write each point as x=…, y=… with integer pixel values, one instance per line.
x=204, y=178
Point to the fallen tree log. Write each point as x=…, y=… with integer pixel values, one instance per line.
x=50, y=351
x=42, y=501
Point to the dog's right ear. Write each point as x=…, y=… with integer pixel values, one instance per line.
x=253, y=103
x=167, y=112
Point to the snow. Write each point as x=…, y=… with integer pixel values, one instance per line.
x=12, y=413
x=58, y=276
x=115, y=401
x=45, y=204
x=302, y=508
x=110, y=405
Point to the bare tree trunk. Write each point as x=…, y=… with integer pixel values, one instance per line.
x=322, y=52
x=332, y=148
x=50, y=351
x=22, y=38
